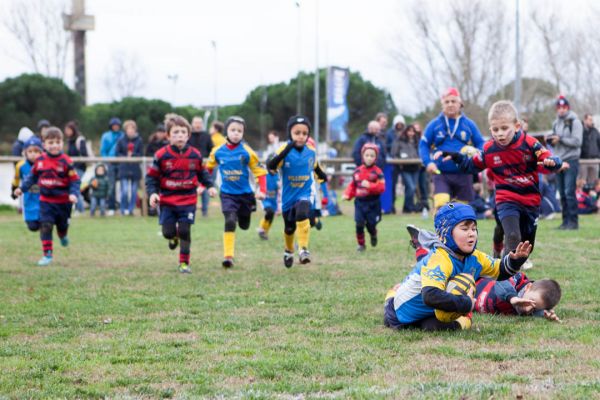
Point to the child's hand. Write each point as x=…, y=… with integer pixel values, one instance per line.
x=365, y=183
x=18, y=192
x=260, y=196
x=154, y=200
x=345, y=197
x=212, y=192
x=471, y=294
x=200, y=189
x=549, y=163
x=519, y=301
x=73, y=198
x=522, y=251
x=565, y=165
x=550, y=315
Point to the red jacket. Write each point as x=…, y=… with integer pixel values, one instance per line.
x=371, y=174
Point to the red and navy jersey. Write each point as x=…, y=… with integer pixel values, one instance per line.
x=176, y=174
x=371, y=174
x=55, y=177
x=513, y=168
x=493, y=297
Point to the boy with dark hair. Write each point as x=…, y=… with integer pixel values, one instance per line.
x=366, y=186
x=59, y=184
x=298, y=163
x=172, y=181
x=32, y=150
x=413, y=302
x=518, y=296
x=235, y=160
x=514, y=160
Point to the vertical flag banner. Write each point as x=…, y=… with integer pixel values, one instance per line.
x=338, y=80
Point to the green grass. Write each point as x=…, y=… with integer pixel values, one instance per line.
x=112, y=318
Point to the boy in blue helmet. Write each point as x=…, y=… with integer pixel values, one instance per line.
x=413, y=302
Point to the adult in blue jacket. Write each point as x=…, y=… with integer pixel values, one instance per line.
x=370, y=136
x=450, y=131
x=108, y=148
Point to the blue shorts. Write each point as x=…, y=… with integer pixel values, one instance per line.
x=367, y=211
x=174, y=214
x=270, y=202
x=58, y=214
x=241, y=204
x=528, y=216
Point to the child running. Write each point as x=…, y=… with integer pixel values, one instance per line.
x=514, y=159
x=270, y=203
x=298, y=163
x=172, y=180
x=366, y=186
x=59, y=184
x=32, y=149
x=235, y=160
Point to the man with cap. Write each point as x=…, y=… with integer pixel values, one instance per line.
x=108, y=148
x=566, y=139
x=450, y=131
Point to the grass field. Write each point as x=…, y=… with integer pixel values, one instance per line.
x=112, y=318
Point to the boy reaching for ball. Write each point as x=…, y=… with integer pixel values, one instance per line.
x=517, y=295
x=413, y=303
x=514, y=160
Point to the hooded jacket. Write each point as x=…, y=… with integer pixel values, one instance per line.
x=570, y=130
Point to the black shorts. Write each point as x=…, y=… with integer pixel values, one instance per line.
x=367, y=211
x=174, y=214
x=58, y=214
x=241, y=204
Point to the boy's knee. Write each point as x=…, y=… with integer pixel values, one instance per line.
x=184, y=231
x=244, y=222
x=46, y=227
x=230, y=222
x=289, y=229
x=169, y=231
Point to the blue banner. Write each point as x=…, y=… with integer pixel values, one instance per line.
x=338, y=80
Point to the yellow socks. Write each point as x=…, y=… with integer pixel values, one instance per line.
x=465, y=322
x=302, y=230
x=265, y=225
x=228, y=243
x=289, y=242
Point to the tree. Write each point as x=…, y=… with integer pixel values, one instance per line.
x=38, y=28
x=457, y=43
x=125, y=75
x=30, y=97
x=271, y=106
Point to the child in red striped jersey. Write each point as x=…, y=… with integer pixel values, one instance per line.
x=173, y=180
x=59, y=185
x=514, y=160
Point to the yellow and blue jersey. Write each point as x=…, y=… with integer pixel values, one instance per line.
x=235, y=162
x=435, y=270
x=270, y=200
x=297, y=175
x=31, y=198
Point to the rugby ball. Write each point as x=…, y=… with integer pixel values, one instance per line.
x=457, y=285
x=469, y=150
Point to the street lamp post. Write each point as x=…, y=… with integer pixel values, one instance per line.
x=173, y=78
x=317, y=80
x=215, y=83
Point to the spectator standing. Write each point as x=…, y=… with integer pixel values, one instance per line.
x=566, y=139
x=202, y=141
x=108, y=148
x=406, y=146
x=370, y=136
x=76, y=147
x=130, y=145
x=590, y=149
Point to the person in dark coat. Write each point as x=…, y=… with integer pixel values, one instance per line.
x=130, y=145
x=202, y=141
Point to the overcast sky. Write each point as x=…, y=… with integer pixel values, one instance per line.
x=256, y=42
